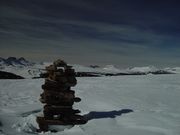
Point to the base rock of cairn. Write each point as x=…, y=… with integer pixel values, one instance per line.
x=59, y=98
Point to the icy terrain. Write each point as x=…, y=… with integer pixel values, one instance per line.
x=126, y=105
x=27, y=69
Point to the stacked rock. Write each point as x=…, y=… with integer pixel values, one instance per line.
x=59, y=98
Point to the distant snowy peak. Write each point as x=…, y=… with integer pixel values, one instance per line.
x=96, y=68
x=13, y=61
x=174, y=70
x=151, y=70
x=144, y=69
x=2, y=61
x=111, y=68
x=23, y=60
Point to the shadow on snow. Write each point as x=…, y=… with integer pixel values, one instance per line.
x=108, y=114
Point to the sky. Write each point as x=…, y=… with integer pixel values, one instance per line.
x=124, y=33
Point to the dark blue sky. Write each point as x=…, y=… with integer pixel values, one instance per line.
x=119, y=32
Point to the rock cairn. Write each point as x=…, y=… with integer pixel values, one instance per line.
x=59, y=98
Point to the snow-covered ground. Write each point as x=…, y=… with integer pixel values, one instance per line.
x=126, y=105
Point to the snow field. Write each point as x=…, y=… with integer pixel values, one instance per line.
x=127, y=105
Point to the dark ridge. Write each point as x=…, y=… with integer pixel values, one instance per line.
x=7, y=75
x=88, y=74
x=99, y=74
x=94, y=66
x=159, y=72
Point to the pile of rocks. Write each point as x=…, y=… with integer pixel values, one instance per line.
x=59, y=98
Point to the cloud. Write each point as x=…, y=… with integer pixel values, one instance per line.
x=88, y=31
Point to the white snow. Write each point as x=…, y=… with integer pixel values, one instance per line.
x=149, y=69
x=106, y=69
x=127, y=105
x=144, y=69
x=111, y=68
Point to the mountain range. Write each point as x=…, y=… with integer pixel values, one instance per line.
x=13, y=61
x=27, y=69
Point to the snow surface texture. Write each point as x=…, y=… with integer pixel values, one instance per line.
x=126, y=105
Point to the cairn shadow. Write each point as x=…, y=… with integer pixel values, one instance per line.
x=109, y=114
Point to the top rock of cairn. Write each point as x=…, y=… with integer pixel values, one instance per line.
x=60, y=63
